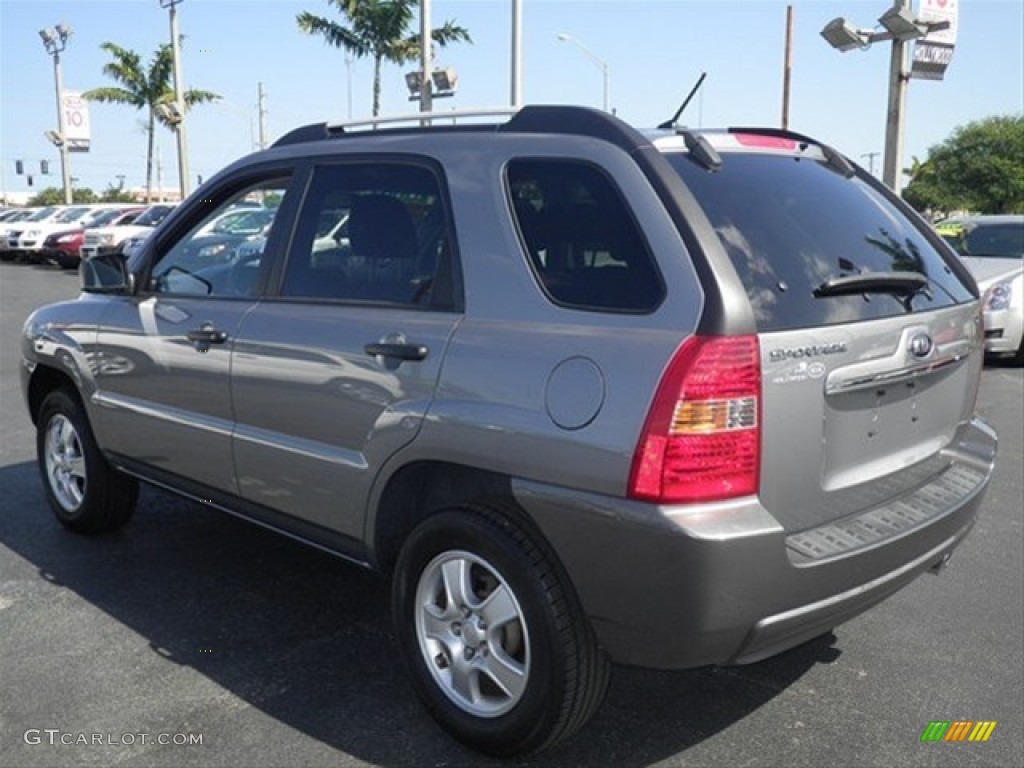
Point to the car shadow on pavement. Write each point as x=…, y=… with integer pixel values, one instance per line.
x=307, y=639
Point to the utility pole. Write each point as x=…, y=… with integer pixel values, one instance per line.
x=348, y=77
x=262, y=106
x=787, y=69
x=871, y=161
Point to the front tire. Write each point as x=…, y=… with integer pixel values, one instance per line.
x=85, y=493
x=492, y=633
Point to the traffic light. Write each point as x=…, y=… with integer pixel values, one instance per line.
x=19, y=167
x=44, y=167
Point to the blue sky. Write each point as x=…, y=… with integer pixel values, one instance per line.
x=655, y=50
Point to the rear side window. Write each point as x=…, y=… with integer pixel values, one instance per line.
x=789, y=224
x=581, y=240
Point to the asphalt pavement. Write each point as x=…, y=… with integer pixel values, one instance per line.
x=191, y=638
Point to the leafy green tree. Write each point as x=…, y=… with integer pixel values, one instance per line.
x=979, y=168
x=114, y=194
x=924, y=193
x=380, y=29
x=144, y=88
x=55, y=196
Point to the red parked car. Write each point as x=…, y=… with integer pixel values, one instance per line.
x=64, y=248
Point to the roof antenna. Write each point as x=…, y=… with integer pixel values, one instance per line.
x=668, y=124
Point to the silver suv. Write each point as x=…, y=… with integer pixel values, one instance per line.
x=586, y=395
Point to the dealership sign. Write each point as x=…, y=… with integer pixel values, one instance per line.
x=76, y=121
x=934, y=51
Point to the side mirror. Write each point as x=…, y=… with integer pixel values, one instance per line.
x=106, y=273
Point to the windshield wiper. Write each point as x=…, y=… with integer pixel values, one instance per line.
x=899, y=283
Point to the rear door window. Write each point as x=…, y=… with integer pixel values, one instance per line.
x=790, y=223
x=377, y=233
x=580, y=238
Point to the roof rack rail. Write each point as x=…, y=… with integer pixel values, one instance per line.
x=543, y=118
x=454, y=115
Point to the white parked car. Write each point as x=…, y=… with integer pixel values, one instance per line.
x=33, y=223
x=12, y=221
x=992, y=248
x=30, y=243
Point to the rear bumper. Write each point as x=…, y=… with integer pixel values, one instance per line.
x=677, y=587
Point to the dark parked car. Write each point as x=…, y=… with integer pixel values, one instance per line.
x=586, y=395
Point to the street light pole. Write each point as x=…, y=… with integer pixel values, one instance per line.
x=261, y=105
x=426, y=66
x=516, y=96
x=55, y=41
x=179, y=99
x=894, y=120
x=598, y=62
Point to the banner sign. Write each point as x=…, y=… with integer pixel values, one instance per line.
x=76, y=121
x=934, y=51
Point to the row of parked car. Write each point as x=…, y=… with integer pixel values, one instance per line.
x=65, y=234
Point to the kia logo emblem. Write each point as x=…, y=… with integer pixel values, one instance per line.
x=921, y=345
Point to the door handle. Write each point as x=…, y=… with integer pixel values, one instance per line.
x=207, y=334
x=397, y=350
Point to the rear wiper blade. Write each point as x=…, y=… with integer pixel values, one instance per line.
x=900, y=283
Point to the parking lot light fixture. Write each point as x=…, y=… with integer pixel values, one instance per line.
x=899, y=22
x=900, y=27
x=844, y=37
x=55, y=40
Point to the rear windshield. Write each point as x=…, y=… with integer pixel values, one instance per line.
x=791, y=224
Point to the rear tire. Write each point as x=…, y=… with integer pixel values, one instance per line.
x=492, y=633
x=85, y=493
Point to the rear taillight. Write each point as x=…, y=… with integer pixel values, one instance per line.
x=702, y=437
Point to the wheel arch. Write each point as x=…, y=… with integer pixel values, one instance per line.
x=422, y=488
x=44, y=380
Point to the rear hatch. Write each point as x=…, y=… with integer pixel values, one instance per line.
x=870, y=341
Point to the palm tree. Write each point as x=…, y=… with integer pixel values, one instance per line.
x=144, y=88
x=380, y=29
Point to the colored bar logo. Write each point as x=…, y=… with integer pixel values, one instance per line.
x=958, y=730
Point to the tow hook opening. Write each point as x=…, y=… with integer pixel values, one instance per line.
x=941, y=563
